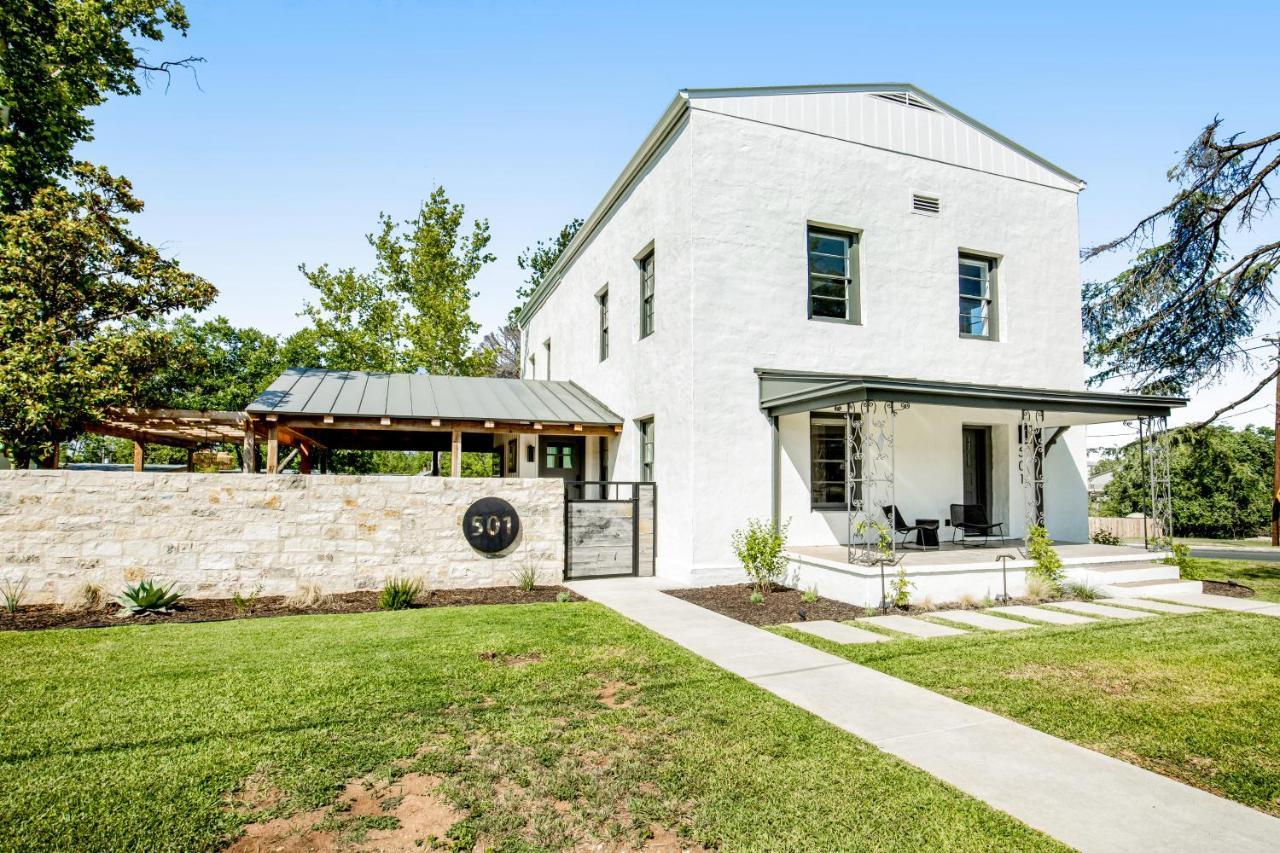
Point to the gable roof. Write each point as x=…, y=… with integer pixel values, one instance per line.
x=673, y=117
x=356, y=393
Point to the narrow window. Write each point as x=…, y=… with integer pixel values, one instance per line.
x=646, y=295
x=546, y=346
x=833, y=276
x=603, y=299
x=976, y=297
x=533, y=367
x=646, y=450
x=827, y=464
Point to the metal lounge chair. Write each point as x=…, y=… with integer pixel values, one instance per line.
x=900, y=526
x=971, y=520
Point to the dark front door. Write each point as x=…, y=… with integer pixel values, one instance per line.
x=561, y=457
x=977, y=466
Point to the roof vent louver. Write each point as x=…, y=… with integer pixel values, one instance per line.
x=907, y=100
x=926, y=204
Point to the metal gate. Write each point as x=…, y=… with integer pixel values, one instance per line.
x=610, y=529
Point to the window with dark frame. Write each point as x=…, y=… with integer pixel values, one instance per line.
x=603, y=299
x=977, y=297
x=827, y=466
x=833, y=275
x=646, y=450
x=646, y=295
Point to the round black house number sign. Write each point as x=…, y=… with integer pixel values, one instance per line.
x=491, y=525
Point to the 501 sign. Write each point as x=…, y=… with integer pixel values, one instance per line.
x=491, y=525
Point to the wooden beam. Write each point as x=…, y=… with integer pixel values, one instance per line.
x=288, y=457
x=139, y=453
x=455, y=455
x=273, y=449
x=304, y=458
x=248, y=459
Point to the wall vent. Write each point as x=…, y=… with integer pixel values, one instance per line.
x=907, y=100
x=926, y=204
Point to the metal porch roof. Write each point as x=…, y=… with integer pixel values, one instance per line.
x=355, y=393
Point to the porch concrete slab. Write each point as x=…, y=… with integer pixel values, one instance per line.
x=980, y=620
x=838, y=632
x=1040, y=614
x=1151, y=604
x=1088, y=608
x=914, y=627
x=1220, y=602
x=1082, y=798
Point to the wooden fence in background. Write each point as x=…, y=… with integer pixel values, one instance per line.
x=1125, y=528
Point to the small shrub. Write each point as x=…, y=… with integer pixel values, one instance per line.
x=12, y=592
x=90, y=597
x=1048, y=565
x=246, y=603
x=1081, y=590
x=988, y=601
x=148, y=597
x=306, y=595
x=759, y=549
x=527, y=578
x=810, y=595
x=901, y=588
x=967, y=601
x=1039, y=589
x=399, y=593
x=1181, y=558
x=564, y=597
x=1104, y=537
x=756, y=597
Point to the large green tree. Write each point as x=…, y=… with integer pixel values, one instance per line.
x=1221, y=481
x=1188, y=305
x=213, y=365
x=412, y=311
x=58, y=58
x=79, y=299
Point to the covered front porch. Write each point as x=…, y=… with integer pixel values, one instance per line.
x=970, y=469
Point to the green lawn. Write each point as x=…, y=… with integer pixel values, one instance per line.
x=1263, y=577
x=1193, y=697
x=137, y=738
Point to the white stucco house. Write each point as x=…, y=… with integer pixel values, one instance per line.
x=810, y=303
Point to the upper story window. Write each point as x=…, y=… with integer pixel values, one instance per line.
x=603, y=299
x=833, y=275
x=977, y=297
x=646, y=295
x=646, y=449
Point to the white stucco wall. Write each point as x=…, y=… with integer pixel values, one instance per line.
x=728, y=204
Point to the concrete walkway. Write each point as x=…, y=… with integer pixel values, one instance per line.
x=1083, y=798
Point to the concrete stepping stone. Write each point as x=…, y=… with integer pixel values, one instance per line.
x=1222, y=602
x=838, y=632
x=1040, y=614
x=1273, y=610
x=1149, y=604
x=1088, y=608
x=914, y=627
x=981, y=620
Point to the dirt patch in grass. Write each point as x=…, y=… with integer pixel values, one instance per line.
x=779, y=606
x=1235, y=590
x=41, y=616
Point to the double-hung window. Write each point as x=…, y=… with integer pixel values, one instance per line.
x=603, y=299
x=833, y=275
x=646, y=450
x=977, y=297
x=646, y=295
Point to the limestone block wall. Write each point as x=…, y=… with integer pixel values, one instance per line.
x=214, y=534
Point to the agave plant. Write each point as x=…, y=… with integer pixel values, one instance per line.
x=148, y=597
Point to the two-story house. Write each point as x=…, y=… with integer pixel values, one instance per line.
x=812, y=303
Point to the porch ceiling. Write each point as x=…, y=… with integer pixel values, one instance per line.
x=785, y=392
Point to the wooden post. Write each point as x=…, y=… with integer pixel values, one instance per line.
x=455, y=455
x=304, y=458
x=248, y=454
x=191, y=460
x=273, y=449
x=435, y=463
x=139, y=450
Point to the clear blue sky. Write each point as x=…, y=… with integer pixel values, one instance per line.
x=310, y=118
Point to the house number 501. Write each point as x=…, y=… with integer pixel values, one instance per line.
x=491, y=525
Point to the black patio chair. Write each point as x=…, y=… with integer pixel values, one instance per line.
x=971, y=520
x=900, y=526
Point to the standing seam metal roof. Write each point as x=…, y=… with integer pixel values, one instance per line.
x=354, y=393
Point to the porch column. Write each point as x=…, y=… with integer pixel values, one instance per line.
x=869, y=468
x=304, y=458
x=139, y=452
x=273, y=449
x=248, y=453
x=1031, y=468
x=775, y=478
x=1154, y=435
x=455, y=455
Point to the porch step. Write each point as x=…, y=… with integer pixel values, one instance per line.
x=1150, y=588
x=1115, y=573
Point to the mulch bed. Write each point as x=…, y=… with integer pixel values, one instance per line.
x=780, y=605
x=1231, y=588
x=41, y=616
